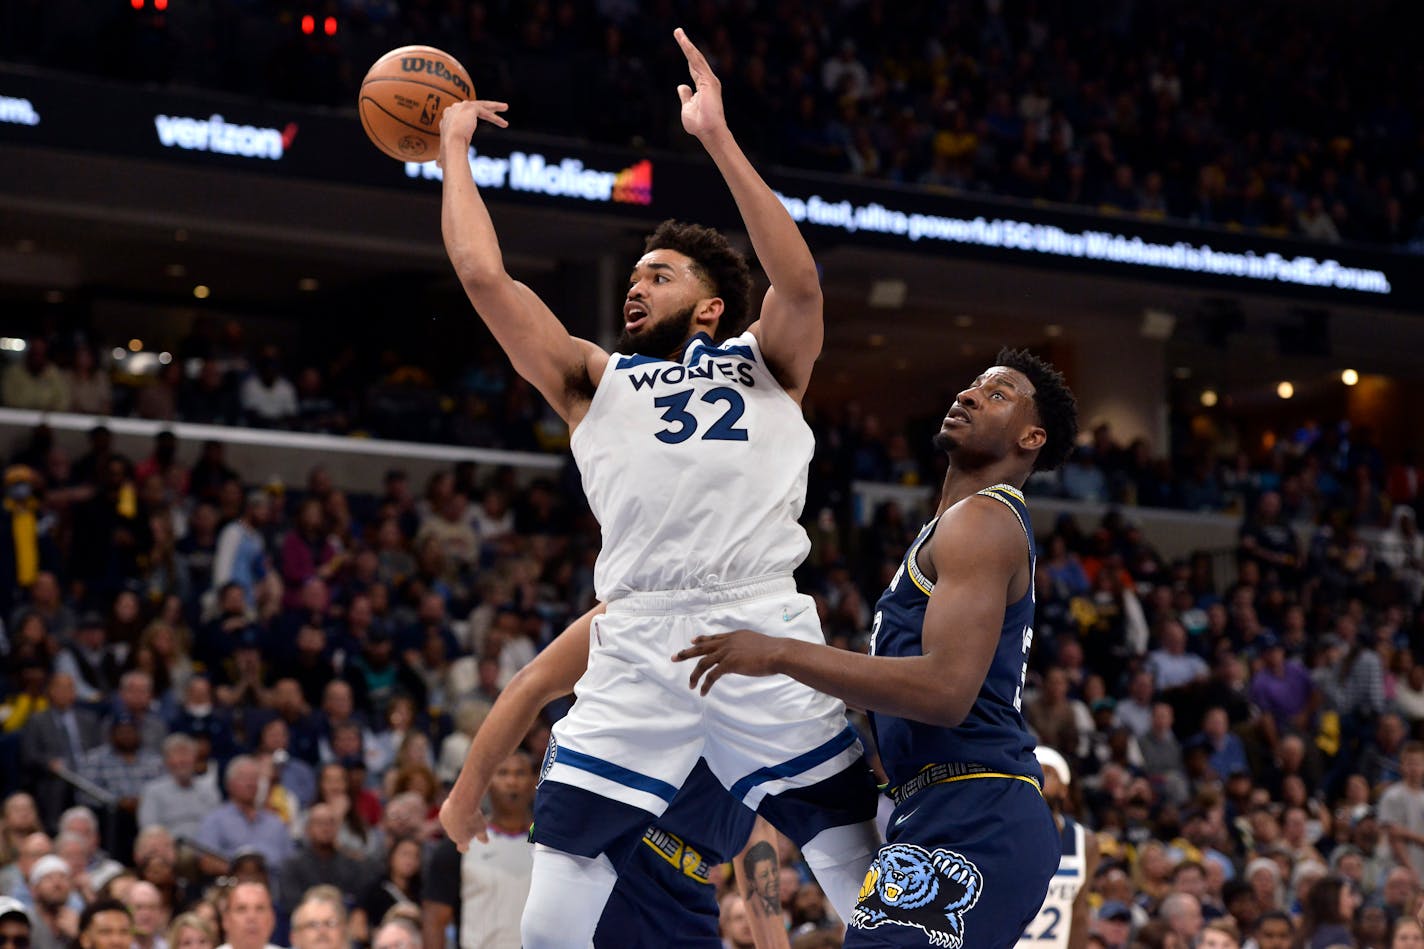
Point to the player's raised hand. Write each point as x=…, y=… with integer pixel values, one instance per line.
x=459, y=120
x=463, y=823
x=702, y=101
x=742, y=652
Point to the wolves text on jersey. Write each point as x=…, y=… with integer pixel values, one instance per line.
x=732, y=370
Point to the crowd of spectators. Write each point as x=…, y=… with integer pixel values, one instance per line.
x=213, y=379
x=1332, y=474
x=1285, y=117
x=211, y=678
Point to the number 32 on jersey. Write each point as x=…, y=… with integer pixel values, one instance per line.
x=684, y=424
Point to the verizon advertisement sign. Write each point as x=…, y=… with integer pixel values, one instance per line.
x=221, y=137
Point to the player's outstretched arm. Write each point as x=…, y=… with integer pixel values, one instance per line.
x=976, y=551
x=551, y=674
x=564, y=369
x=789, y=329
x=758, y=872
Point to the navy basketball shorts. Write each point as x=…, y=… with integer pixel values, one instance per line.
x=966, y=866
x=665, y=896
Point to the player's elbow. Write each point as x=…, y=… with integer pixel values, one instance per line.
x=955, y=713
x=949, y=710
x=803, y=291
x=535, y=687
x=478, y=273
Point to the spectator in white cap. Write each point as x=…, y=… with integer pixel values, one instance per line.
x=15, y=877
x=14, y=924
x=1264, y=875
x=55, y=922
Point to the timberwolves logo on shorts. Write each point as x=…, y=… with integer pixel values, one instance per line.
x=909, y=886
x=549, y=755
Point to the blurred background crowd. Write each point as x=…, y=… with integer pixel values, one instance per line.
x=231, y=706
x=1325, y=469
x=1284, y=117
x=279, y=681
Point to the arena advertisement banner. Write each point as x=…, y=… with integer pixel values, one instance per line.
x=249, y=137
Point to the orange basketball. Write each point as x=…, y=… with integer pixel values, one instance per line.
x=403, y=96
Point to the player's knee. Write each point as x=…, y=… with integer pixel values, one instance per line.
x=541, y=928
x=837, y=845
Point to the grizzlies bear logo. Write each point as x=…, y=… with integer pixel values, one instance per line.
x=909, y=886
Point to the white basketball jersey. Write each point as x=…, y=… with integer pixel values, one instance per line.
x=696, y=470
x=494, y=886
x=1049, y=929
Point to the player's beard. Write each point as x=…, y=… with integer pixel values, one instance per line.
x=661, y=339
x=943, y=441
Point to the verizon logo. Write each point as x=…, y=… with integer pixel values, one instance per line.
x=213, y=134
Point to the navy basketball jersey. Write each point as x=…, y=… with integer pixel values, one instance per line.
x=993, y=738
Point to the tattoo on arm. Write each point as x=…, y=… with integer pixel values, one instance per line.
x=762, y=872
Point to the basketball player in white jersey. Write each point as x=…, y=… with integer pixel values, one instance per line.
x=693, y=453
x=1064, y=920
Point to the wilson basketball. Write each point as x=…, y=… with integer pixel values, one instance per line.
x=403, y=96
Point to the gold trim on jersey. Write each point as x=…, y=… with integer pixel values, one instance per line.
x=949, y=773
x=999, y=492
x=1002, y=493
x=912, y=559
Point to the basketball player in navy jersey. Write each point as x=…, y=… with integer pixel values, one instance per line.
x=971, y=845
x=693, y=452
x=665, y=890
x=1063, y=920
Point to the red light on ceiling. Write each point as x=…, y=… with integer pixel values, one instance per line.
x=330, y=26
x=308, y=24
x=136, y=4
x=160, y=5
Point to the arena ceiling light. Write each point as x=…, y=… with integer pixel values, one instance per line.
x=1349, y=377
x=888, y=294
x=1157, y=324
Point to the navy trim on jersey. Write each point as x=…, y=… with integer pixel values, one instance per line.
x=1070, y=837
x=628, y=362
x=1069, y=872
x=624, y=776
x=796, y=765
x=846, y=797
x=708, y=349
x=586, y=824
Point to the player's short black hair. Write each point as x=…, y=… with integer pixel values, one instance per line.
x=104, y=905
x=1052, y=399
x=721, y=265
x=1273, y=916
